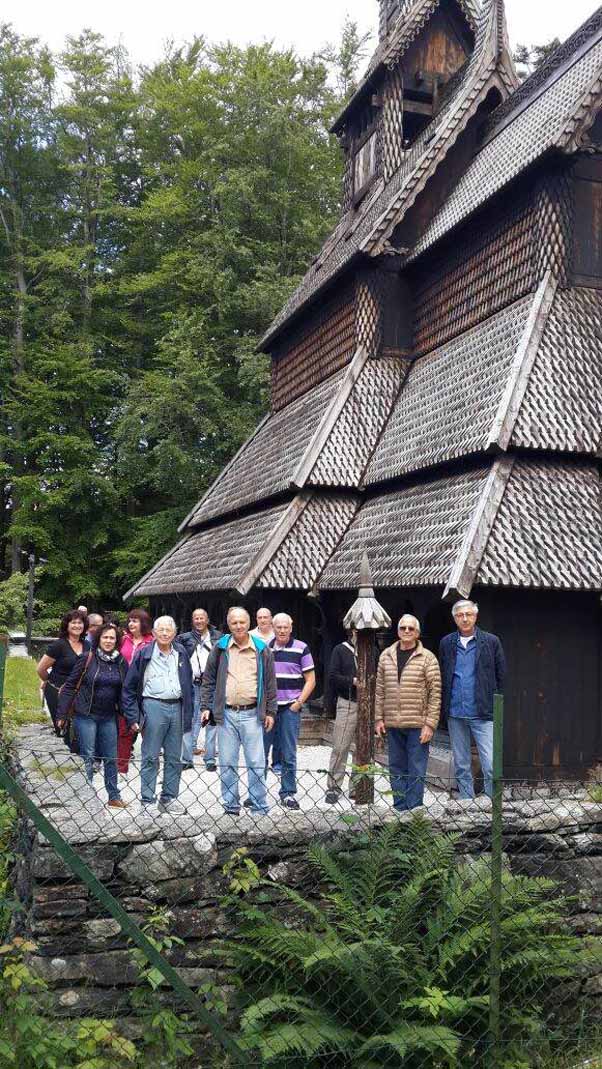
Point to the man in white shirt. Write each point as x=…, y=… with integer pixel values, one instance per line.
x=198, y=644
x=265, y=627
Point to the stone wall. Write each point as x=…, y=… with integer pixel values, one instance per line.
x=176, y=863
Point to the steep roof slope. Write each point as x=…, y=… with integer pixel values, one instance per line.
x=543, y=115
x=365, y=230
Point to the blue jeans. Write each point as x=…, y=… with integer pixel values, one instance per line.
x=191, y=738
x=408, y=760
x=242, y=729
x=461, y=732
x=283, y=738
x=97, y=736
x=162, y=732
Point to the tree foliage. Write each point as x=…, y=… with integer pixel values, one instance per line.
x=152, y=222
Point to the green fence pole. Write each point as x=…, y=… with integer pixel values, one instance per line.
x=496, y=883
x=3, y=656
x=128, y=926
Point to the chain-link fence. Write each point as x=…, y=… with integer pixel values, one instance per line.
x=335, y=935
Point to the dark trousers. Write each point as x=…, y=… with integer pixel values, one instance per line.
x=408, y=760
x=283, y=738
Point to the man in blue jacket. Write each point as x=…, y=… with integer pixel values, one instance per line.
x=157, y=699
x=473, y=669
x=239, y=695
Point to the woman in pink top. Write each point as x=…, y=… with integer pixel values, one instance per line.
x=138, y=633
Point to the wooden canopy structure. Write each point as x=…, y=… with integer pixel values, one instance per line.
x=437, y=377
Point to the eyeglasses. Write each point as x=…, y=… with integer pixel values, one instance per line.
x=406, y=627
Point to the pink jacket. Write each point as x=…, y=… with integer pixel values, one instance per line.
x=127, y=648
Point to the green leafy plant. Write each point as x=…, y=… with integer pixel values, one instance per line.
x=164, y=1040
x=242, y=872
x=29, y=1039
x=393, y=968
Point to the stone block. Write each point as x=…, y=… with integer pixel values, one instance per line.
x=112, y=969
x=47, y=865
x=165, y=860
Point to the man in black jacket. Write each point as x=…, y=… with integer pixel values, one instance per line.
x=342, y=683
x=198, y=644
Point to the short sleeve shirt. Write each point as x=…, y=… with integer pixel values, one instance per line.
x=64, y=657
x=291, y=662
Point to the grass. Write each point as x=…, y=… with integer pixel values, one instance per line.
x=22, y=703
x=58, y=772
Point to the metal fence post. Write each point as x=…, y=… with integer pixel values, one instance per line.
x=495, y=1038
x=3, y=656
x=128, y=926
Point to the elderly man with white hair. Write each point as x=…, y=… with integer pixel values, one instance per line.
x=157, y=697
x=473, y=669
x=407, y=710
x=296, y=681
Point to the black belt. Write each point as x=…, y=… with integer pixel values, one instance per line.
x=242, y=708
x=164, y=701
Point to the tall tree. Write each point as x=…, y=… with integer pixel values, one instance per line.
x=27, y=203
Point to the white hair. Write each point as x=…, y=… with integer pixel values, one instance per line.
x=264, y=609
x=465, y=603
x=165, y=620
x=237, y=608
x=284, y=616
x=408, y=616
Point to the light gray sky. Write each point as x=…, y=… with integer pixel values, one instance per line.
x=144, y=25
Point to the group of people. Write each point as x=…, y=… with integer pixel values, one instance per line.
x=247, y=689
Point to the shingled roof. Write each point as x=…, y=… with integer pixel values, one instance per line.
x=366, y=230
x=467, y=387
x=515, y=523
x=326, y=443
x=544, y=118
x=411, y=19
x=273, y=547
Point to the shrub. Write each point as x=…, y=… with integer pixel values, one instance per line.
x=393, y=968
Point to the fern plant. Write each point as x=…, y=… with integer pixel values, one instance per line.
x=390, y=968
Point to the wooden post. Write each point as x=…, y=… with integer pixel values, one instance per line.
x=366, y=617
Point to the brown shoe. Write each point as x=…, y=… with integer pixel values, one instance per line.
x=197, y=753
x=116, y=803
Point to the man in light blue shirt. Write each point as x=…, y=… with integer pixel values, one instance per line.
x=157, y=696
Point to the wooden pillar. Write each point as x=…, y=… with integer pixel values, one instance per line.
x=366, y=617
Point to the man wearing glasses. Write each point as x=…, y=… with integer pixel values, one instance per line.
x=473, y=668
x=408, y=706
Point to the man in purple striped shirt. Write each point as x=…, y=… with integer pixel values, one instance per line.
x=295, y=681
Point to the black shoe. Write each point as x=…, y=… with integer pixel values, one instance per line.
x=331, y=797
x=232, y=812
x=248, y=803
x=211, y=766
x=187, y=767
x=289, y=802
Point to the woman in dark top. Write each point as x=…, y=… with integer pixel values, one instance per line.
x=92, y=695
x=60, y=657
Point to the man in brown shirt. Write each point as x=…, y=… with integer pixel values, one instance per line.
x=239, y=694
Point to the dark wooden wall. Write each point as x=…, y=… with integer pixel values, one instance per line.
x=587, y=246
x=316, y=348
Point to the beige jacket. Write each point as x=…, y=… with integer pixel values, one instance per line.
x=416, y=700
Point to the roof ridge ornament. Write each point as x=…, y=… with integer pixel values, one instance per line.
x=366, y=613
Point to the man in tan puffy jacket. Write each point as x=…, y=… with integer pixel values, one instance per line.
x=408, y=707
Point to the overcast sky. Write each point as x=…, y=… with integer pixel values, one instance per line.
x=144, y=25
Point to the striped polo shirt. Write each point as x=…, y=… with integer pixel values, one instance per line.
x=291, y=662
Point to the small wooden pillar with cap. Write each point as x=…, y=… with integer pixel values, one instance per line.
x=366, y=616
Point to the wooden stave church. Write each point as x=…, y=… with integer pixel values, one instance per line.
x=437, y=380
